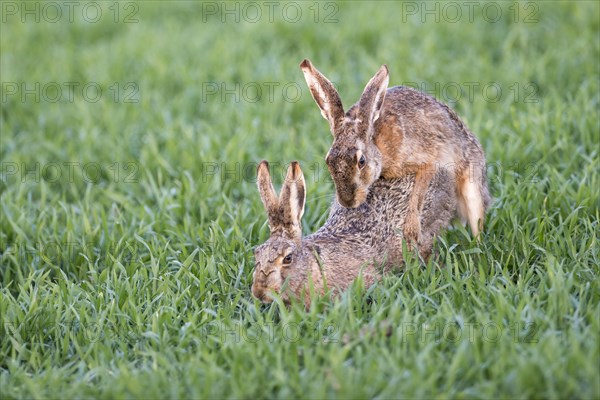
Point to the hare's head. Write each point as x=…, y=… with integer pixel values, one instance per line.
x=353, y=159
x=277, y=260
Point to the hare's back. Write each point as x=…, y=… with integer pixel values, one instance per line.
x=407, y=99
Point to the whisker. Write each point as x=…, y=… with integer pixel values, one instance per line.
x=327, y=195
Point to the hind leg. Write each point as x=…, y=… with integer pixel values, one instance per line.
x=471, y=202
x=412, y=222
x=475, y=214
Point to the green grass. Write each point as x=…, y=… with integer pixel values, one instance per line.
x=128, y=275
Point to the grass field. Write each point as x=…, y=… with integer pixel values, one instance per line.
x=130, y=137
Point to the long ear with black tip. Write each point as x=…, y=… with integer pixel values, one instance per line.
x=324, y=93
x=267, y=194
x=292, y=200
x=371, y=100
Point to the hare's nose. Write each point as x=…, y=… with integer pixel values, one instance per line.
x=266, y=273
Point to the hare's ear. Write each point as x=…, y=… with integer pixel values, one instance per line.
x=372, y=98
x=267, y=193
x=324, y=93
x=292, y=200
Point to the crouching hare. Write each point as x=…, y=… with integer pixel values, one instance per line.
x=352, y=240
x=397, y=131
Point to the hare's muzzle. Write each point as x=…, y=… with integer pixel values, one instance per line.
x=348, y=201
x=353, y=198
x=264, y=298
x=260, y=291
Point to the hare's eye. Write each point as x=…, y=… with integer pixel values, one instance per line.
x=287, y=259
x=362, y=161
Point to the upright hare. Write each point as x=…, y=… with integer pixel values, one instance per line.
x=351, y=240
x=397, y=131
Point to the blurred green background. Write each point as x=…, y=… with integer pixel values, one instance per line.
x=130, y=132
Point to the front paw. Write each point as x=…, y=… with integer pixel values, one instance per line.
x=412, y=231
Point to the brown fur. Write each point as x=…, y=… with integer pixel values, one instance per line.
x=400, y=131
x=353, y=241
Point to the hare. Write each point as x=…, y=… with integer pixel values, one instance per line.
x=392, y=132
x=352, y=241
